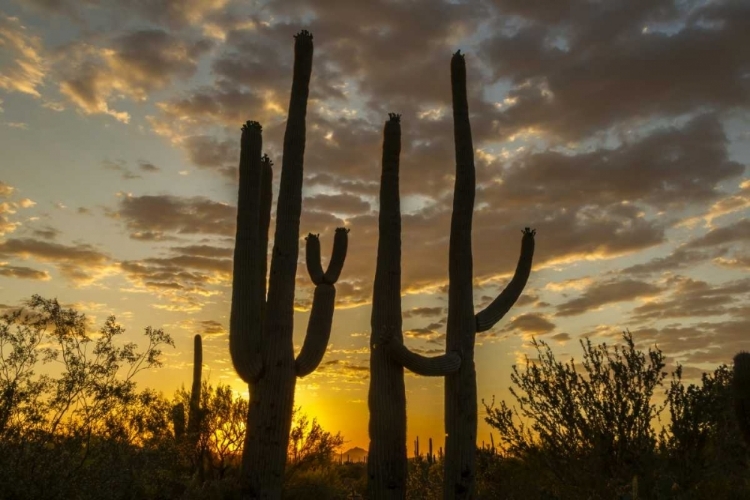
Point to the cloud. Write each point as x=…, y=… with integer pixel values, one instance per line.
x=666, y=168
x=423, y=312
x=10, y=208
x=736, y=232
x=694, y=298
x=137, y=63
x=119, y=166
x=23, y=272
x=148, y=167
x=337, y=203
x=605, y=293
x=599, y=65
x=212, y=328
x=26, y=67
x=81, y=264
x=530, y=324
x=150, y=217
x=211, y=153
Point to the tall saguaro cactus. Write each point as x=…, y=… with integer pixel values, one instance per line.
x=463, y=323
x=194, y=412
x=741, y=393
x=386, y=462
x=261, y=325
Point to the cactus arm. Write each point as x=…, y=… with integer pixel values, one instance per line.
x=321, y=316
x=338, y=255
x=312, y=257
x=435, y=366
x=246, y=312
x=318, y=330
x=487, y=318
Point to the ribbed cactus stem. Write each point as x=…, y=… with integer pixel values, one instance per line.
x=386, y=460
x=387, y=463
x=338, y=255
x=245, y=322
x=194, y=413
x=487, y=318
x=318, y=330
x=261, y=324
x=741, y=392
x=178, y=421
x=461, y=387
x=312, y=256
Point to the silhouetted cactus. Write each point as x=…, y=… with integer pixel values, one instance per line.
x=178, y=421
x=741, y=393
x=463, y=323
x=261, y=327
x=195, y=414
x=386, y=462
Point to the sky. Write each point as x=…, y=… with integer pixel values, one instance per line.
x=619, y=130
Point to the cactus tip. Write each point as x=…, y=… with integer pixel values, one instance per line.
x=342, y=229
x=312, y=236
x=266, y=159
x=527, y=231
x=252, y=126
x=303, y=35
x=458, y=54
x=394, y=117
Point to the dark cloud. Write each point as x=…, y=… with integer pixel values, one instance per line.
x=137, y=63
x=694, y=298
x=338, y=203
x=120, y=166
x=46, y=232
x=602, y=63
x=669, y=167
x=678, y=259
x=607, y=292
x=211, y=327
x=208, y=152
x=79, y=263
x=530, y=323
x=23, y=272
x=736, y=232
x=204, y=251
x=423, y=312
x=148, y=167
x=159, y=214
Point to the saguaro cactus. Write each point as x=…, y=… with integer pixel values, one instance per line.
x=463, y=323
x=741, y=393
x=261, y=327
x=386, y=462
x=194, y=412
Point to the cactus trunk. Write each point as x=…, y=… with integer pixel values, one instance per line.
x=194, y=412
x=741, y=394
x=386, y=462
x=463, y=324
x=261, y=329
